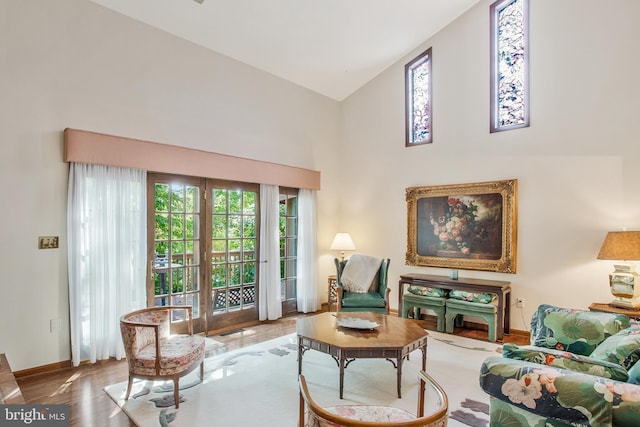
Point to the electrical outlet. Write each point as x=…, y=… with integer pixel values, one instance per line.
x=54, y=325
x=520, y=302
x=47, y=242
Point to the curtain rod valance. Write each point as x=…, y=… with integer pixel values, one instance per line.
x=90, y=147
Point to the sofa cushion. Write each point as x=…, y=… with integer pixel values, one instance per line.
x=565, y=360
x=370, y=299
x=427, y=292
x=622, y=348
x=575, y=331
x=564, y=396
x=471, y=296
x=634, y=374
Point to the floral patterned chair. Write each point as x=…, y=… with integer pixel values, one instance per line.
x=581, y=369
x=153, y=353
x=312, y=415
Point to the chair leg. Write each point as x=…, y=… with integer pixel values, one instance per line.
x=202, y=371
x=129, y=385
x=176, y=391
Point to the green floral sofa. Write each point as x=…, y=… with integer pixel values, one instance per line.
x=581, y=369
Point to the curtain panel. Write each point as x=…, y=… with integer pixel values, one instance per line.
x=107, y=235
x=307, y=290
x=269, y=302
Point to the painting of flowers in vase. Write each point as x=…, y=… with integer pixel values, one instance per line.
x=469, y=226
x=461, y=226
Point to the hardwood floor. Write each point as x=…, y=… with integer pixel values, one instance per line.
x=89, y=405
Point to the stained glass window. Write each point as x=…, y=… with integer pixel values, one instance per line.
x=509, y=65
x=418, y=115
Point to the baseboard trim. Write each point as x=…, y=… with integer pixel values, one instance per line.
x=44, y=369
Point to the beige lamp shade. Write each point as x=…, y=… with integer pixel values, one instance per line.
x=621, y=245
x=342, y=242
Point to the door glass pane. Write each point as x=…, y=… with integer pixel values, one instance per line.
x=176, y=264
x=233, y=247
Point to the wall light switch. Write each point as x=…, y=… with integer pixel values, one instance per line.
x=47, y=242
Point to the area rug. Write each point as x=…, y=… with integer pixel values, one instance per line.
x=258, y=385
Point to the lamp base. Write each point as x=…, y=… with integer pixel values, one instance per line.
x=626, y=304
x=623, y=287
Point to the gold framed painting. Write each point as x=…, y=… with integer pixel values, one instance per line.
x=464, y=226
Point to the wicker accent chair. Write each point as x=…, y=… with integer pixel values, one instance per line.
x=312, y=415
x=153, y=353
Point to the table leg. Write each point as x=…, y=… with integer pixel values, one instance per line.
x=507, y=313
x=341, y=373
x=300, y=352
x=424, y=356
x=399, y=369
x=501, y=315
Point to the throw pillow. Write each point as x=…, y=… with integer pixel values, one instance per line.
x=565, y=360
x=471, y=296
x=428, y=292
x=575, y=331
x=622, y=348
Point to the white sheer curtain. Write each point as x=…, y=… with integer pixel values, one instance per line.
x=307, y=290
x=107, y=232
x=270, y=300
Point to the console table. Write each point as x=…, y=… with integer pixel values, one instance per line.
x=606, y=308
x=497, y=287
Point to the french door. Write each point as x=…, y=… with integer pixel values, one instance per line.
x=234, y=253
x=203, y=249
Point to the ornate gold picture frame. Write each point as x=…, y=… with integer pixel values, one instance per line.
x=466, y=226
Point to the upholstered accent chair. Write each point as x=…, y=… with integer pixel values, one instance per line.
x=153, y=353
x=313, y=415
x=375, y=299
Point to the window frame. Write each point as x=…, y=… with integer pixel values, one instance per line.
x=495, y=9
x=424, y=57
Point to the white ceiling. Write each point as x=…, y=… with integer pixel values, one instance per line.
x=332, y=47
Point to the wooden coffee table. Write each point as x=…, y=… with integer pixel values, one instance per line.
x=394, y=339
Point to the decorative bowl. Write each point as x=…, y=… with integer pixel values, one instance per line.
x=356, y=323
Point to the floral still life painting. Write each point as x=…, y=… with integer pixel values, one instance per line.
x=462, y=225
x=468, y=226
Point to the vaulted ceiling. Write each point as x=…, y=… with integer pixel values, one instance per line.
x=332, y=47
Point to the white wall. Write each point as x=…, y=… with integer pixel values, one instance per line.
x=71, y=63
x=575, y=164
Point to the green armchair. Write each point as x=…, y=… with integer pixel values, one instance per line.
x=376, y=300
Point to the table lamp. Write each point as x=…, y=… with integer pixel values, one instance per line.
x=342, y=242
x=623, y=246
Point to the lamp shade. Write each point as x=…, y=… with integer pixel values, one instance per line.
x=342, y=242
x=621, y=245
